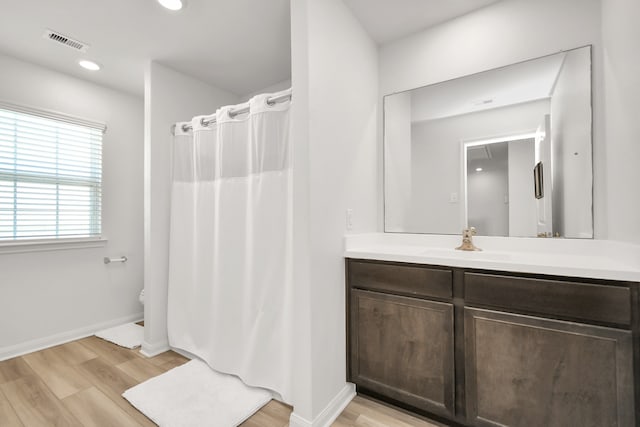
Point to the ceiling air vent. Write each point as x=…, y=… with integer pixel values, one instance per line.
x=479, y=152
x=67, y=41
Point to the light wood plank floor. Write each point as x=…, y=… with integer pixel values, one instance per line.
x=80, y=384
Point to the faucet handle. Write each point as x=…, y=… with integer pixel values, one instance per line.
x=469, y=232
x=467, y=241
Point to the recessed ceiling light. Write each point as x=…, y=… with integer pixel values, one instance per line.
x=172, y=4
x=478, y=169
x=89, y=65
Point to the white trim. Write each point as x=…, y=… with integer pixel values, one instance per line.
x=53, y=115
x=462, y=195
x=464, y=144
x=330, y=413
x=26, y=347
x=151, y=350
x=22, y=246
x=296, y=420
x=506, y=138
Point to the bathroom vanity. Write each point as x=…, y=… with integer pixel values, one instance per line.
x=489, y=341
x=531, y=331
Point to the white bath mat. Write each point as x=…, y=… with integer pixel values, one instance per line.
x=193, y=395
x=128, y=335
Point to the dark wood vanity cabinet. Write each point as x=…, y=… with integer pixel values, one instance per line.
x=401, y=342
x=492, y=349
x=403, y=348
x=527, y=371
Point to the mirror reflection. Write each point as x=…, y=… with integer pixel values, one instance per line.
x=507, y=151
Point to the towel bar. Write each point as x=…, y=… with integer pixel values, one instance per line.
x=108, y=260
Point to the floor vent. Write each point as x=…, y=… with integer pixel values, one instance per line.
x=67, y=41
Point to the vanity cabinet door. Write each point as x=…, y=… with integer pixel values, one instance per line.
x=402, y=348
x=529, y=371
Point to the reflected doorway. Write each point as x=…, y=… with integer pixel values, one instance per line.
x=499, y=195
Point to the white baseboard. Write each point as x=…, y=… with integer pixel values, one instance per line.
x=296, y=420
x=330, y=412
x=26, y=347
x=150, y=350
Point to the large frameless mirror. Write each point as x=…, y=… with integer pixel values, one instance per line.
x=507, y=151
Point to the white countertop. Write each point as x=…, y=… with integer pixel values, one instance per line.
x=597, y=259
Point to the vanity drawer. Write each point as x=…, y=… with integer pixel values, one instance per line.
x=400, y=279
x=572, y=300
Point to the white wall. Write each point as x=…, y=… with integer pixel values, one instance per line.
x=53, y=296
x=621, y=33
x=543, y=155
x=170, y=97
x=487, y=209
x=570, y=131
x=522, y=201
x=501, y=34
x=557, y=159
x=334, y=118
x=437, y=158
x=277, y=87
x=398, y=183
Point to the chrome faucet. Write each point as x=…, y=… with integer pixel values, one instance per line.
x=467, y=240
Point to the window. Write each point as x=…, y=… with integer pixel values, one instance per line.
x=50, y=176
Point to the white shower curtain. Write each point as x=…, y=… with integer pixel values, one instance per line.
x=230, y=272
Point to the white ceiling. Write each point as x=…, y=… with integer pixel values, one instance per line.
x=515, y=84
x=387, y=20
x=238, y=45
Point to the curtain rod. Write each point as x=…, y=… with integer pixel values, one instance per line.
x=232, y=113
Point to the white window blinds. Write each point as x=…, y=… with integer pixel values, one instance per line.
x=50, y=176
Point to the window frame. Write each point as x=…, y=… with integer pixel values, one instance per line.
x=55, y=242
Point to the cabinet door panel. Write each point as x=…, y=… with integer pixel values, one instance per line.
x=528, y=371
x=403, y=348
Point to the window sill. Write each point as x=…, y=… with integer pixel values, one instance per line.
x=51, y=245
